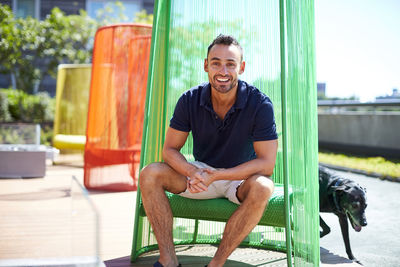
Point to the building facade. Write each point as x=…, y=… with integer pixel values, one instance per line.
x=41, y=8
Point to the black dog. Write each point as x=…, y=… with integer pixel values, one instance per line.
x=344, y=198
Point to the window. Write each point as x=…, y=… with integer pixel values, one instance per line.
x=130, y=7
x=26, y=8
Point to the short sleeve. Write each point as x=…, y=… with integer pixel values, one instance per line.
x=264, y=125
x=180, y=119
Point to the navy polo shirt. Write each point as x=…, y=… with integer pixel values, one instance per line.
x=229, y=142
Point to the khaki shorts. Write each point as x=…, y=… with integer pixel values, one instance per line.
x=218, y=189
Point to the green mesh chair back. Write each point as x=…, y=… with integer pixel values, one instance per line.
x=278, y=41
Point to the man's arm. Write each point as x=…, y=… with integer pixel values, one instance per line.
x=263, y=165
x=174, y=141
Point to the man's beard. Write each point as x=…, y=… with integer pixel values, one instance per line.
x=223, y=88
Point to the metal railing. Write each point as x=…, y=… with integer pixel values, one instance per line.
x=356, y=103
x=354, y=106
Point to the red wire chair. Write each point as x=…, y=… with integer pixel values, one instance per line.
x=116, y=107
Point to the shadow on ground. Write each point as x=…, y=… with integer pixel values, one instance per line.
x=187, y=261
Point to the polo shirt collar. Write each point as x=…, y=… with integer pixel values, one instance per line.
x=205, y=99
x=241, y=95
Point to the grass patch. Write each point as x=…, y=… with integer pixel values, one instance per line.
x=377, y=165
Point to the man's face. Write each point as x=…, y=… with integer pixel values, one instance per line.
x=224, y=65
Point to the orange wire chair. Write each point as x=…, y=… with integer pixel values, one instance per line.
x=116, y=107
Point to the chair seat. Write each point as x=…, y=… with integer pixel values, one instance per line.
x=97, y=156
x=221, y=209
x=64, y=141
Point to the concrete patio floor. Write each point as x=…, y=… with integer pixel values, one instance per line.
x=35, y=210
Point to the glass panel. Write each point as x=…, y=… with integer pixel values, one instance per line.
x=49, y=225
x=23, y=137
x=20, y=133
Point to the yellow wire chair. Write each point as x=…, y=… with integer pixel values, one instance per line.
x=72, y=96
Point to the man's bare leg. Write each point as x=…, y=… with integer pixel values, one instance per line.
x=254, y=194
x=154, y=180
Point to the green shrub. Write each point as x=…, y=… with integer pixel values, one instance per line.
x=376, y=165
x=15, y=103
x=23, y=107
x=39, y=108
x=5, y=115
x=46, y=135
x=17, y=106
x=11, y=135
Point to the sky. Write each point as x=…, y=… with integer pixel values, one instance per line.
x=358, y=47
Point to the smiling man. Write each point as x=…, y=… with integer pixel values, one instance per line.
x=234, y=146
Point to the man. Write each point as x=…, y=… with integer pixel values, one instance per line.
x=234, y=145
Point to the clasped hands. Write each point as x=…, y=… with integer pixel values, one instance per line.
x=200, y=180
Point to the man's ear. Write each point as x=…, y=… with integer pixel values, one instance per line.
x=242, y=66
x=205, y=65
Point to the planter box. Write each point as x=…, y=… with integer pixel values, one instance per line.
x=22, y=164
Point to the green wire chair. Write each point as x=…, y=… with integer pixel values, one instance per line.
x=279, y=51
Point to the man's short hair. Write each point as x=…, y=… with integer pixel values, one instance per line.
x=225, y=40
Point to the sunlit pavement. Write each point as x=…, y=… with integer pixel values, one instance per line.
x=37, y=216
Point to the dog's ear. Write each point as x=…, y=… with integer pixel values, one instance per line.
x=362, y=188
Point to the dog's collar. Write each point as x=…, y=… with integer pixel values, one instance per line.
x=335, y=197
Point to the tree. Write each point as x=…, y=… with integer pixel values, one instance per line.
x=111, y=13
x=114, y=13
x=69, y=39
x=143, y=17
x=31, y=49
x=10, y=45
